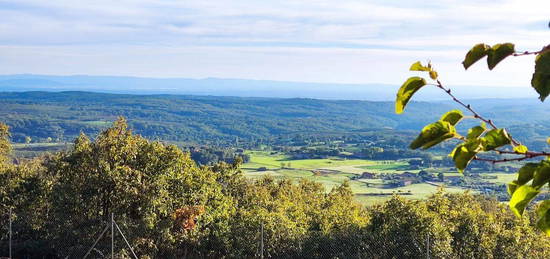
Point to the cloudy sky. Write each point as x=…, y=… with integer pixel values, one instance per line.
x=344, y=41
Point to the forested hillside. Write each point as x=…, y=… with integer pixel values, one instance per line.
x=48, y=116
x=168, y=207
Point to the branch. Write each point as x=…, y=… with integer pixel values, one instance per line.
x=494, y=161
x=531, y=153
x=469, y=107
x=524, y=156
x=525, y=53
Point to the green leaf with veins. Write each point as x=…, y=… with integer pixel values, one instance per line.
x=512, y=187
x=417, y=66
x=541, y=77
x=521, y=198
x=526, y=173
x=434, y=134
x=476, y=53
x=465, y=152
x=499, y=52
x=543, y=212
x=406, y=91
x=476, y=131
x=496, y=138
x=541, y=175
x=452, y=117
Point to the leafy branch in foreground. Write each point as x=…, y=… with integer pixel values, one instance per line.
x=532, y=177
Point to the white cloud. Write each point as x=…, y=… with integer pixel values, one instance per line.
x=307, y=40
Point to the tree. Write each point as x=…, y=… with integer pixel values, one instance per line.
x=5, y=146
x=481, y=227
x=150, y=188
x=402, y=227
x=487, y=137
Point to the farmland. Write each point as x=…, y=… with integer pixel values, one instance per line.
x=334, y=171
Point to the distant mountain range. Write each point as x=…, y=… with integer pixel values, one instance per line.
x=242, y=88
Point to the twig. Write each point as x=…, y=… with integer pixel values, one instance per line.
x=524, y=156
x=530, y=153
x=525, y=53
x=469, y=107
x=494, y=161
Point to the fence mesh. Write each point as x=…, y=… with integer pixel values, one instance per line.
x=4, y=233
x=103, y=238
x=120, y=238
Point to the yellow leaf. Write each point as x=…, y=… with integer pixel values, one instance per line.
x=521, y=149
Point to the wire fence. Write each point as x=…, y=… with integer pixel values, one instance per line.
x=115, y=236
x=18, y=241
x=113, y=239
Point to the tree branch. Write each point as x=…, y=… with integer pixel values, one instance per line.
x=494, y=161
x=531, y=153
x=469, y=107
x=523, y=156
x=525, y=53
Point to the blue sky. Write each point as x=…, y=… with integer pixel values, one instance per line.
x=315, y=41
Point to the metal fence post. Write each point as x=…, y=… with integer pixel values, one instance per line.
x=262, y=241
x=10, y=233
x=428, y=247
x=112, y=236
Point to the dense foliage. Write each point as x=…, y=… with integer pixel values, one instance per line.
x=169, y=207
x=534, y=177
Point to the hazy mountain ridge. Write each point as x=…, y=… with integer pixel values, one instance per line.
x=242, y=88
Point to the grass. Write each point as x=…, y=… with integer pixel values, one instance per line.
x=264, y=159
x=503, y=178
x=33, y=145
x=387, y=165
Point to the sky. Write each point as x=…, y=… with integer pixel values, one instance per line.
x=342, y=41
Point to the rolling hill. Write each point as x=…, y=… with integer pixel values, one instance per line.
x=208, y=119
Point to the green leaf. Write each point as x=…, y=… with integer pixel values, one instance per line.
x=499, y=52
x=496, y=138
x=433, y=134
x=476, y=53
x=542, y=175
x=521, y=198
x=406, y=91
x=512, y=187
x=521, y=149
x=452, y=117
x=417, y=66
x=476, y=131
x=465, y=152
x=543, y=212
x=525, y=173
x=541, y=77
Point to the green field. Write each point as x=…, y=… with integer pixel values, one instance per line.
x=264, y=159
x=31, y=150
x=333, y=172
